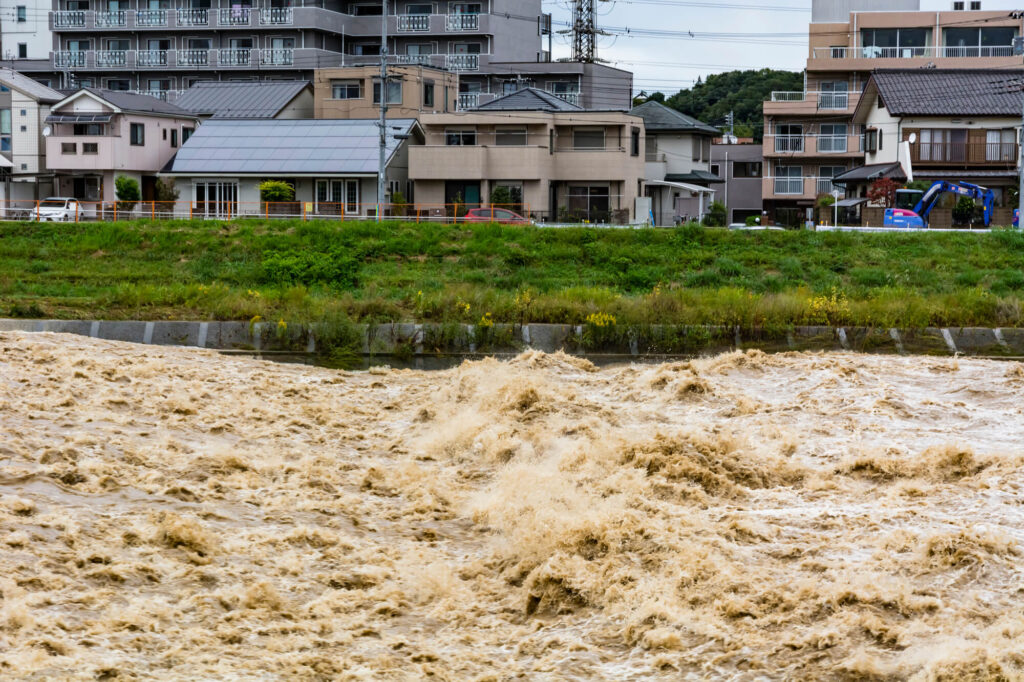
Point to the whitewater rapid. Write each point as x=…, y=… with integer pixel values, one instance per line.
x=177, y=514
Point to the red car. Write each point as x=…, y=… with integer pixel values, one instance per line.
x=493, y=215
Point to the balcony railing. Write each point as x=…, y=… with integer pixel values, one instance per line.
x=235, y=16
x=276, y=16
x=424, y=59
x=413, y=22
x=825, y=186
x=934, y=51
x=151, y=17
x=112, y=19
x=789, y=143
x=832, y=144
x=165, y=95
x=278, y=57
x=974, y=153
x=69, y=59
x=463, y=22
x=789, y=185
x=69, y=19
x=151, y=58
x=825, y=100
x=469, y=100
x=193, y=17
x=788, y=95
x=463, y=62
x=108, y=59
x=833, y=100
x=570, y=97
x=193, y=57
x=234, y=57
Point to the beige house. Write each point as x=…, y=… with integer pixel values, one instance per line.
x=559, y=162
x=413, y=89
x=97, y=135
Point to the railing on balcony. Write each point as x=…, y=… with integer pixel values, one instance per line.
x=413, y=59
x=469, y=100
x=151, y=58
x=788, y=95
x=832, y=144
x=833, y=100
x=193, y=58
x=934, y=51
x=151, y=17
x=69, y=19
x=974, y=153
x=825, y=186
x=107, y=59
x=165, y=95
x=278, y=57
x=570, y=97
x=112, y=19
x=463, y=62
x=276, y=16
x=193, y=17
x=826, y=100
x=789, y=143
x=234, y=57
x=413, y=22
x=235, y=16
x=69, y=59
x=789, y=185
x=463, y=22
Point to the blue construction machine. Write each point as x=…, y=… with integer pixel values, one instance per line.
x=913, y=205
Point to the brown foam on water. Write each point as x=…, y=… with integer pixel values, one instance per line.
x=174, y=513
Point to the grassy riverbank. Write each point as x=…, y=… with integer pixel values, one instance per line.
x=302, y=272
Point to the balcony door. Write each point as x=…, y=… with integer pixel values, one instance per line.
x=337, y=197
x=789, y=137
x=216, y=199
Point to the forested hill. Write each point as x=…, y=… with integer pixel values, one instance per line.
x=739, y=91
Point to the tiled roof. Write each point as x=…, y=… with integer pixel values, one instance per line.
x=282, y=147
x=950, y=92
x=136, y=103
x=870, y=172
x=660, y=118
x=529, y=99
x=230, y=99
x=694, y=176
x=32, y=88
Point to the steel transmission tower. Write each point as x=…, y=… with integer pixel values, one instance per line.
x=584, y=34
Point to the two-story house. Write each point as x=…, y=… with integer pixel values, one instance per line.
x=677, y=154
x=810, y=135
x=957, y=125
x=412, y=90
x=24, y=105
x=558, y=161
x=97, y=135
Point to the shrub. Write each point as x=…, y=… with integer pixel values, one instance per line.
x=963, y=212
x=398, y=203
x=166, y=194
x=753, y=220
x=309, y=267
x=127, y=191
x=717, y=215
x=276, y=190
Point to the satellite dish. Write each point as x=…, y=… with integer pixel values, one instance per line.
x=47, y=131
x=913, y=138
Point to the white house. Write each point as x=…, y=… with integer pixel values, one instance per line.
x=678, y=170
x=24, y=106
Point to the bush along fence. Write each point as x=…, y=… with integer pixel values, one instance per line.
x=600, y=335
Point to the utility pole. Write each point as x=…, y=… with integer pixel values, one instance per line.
x=383, y=109
x=1020, y=170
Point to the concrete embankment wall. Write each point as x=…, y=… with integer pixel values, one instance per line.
x=427, y=339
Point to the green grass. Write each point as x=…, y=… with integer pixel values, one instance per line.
x=310, y=271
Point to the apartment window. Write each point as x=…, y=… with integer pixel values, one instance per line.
x=460, y=138
x=424, y=8
x=990, y=41
x=465, y=48
x=510, y=137
x=374, y=10
x=428, y=94
x=789, y=180
x=789, y=137
x=891, y=43
x=24, y=129
x=634, y=141
x=832, y=138
x=347, y=89
x=394, y=92
x=186, y=133
x=92, y=129
x=90, y=148
x=23, y=112
x=588, y=138
x=716, y=169
x=174, y=138
x=138, y=134
x=78, y=5
x=975, y=6
x=22, y=14
x=22, y=50
x=68, y=148
x=958, y=6
x=119, y=84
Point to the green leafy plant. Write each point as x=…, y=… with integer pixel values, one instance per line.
x=717, y=215
x=310, y=267
x=127, y=191
x=753, y=220
x=963, y=212
x=276, y=190
x=399, y=205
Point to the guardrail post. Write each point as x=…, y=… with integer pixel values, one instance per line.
x=152, y=210
x=303, y=211
x=115, y=211
x=76, y=211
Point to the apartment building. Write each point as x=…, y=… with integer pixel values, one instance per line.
x=810, y=136
x=412, y=89
x=24, y=106
x=558, y=161
x=163, y=46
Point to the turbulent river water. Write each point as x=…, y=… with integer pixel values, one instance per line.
x=173, y=513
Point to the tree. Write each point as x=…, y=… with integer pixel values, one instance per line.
x=127, y=191
x=273, y=191
x=717, y=215
x=398, y=203
x=883, y=191
x=963, y=212
x=166, y=194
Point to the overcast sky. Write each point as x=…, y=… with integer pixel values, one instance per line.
x=671, y=63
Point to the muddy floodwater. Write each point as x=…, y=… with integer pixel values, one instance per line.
x=177, y=514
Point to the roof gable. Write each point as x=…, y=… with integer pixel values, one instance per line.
x=119, y=101
x=29, y=87
x=242, y=99
x=529, y=99
x=949, y=92
x=660, y=118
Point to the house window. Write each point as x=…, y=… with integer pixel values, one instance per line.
x=174, y=137
x=92, y=129
x=22, y=14
x=68, y=148
x=634, y=141
x=589, y=202
x=510, y=137
x=588, y=138
x=24, y=129
x=892, y=43
x=394, y=92
x=186, y=133
x=138, y=134
x=5, y=130
x=749, y=169
x=871, y=141
x=90, y=148
x=1000, y=145
x=347, y=89
x=22, y=50
x=715, y=169
x=460, y=138
x=428, y=94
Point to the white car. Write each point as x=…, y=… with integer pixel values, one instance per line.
x=53, y=209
